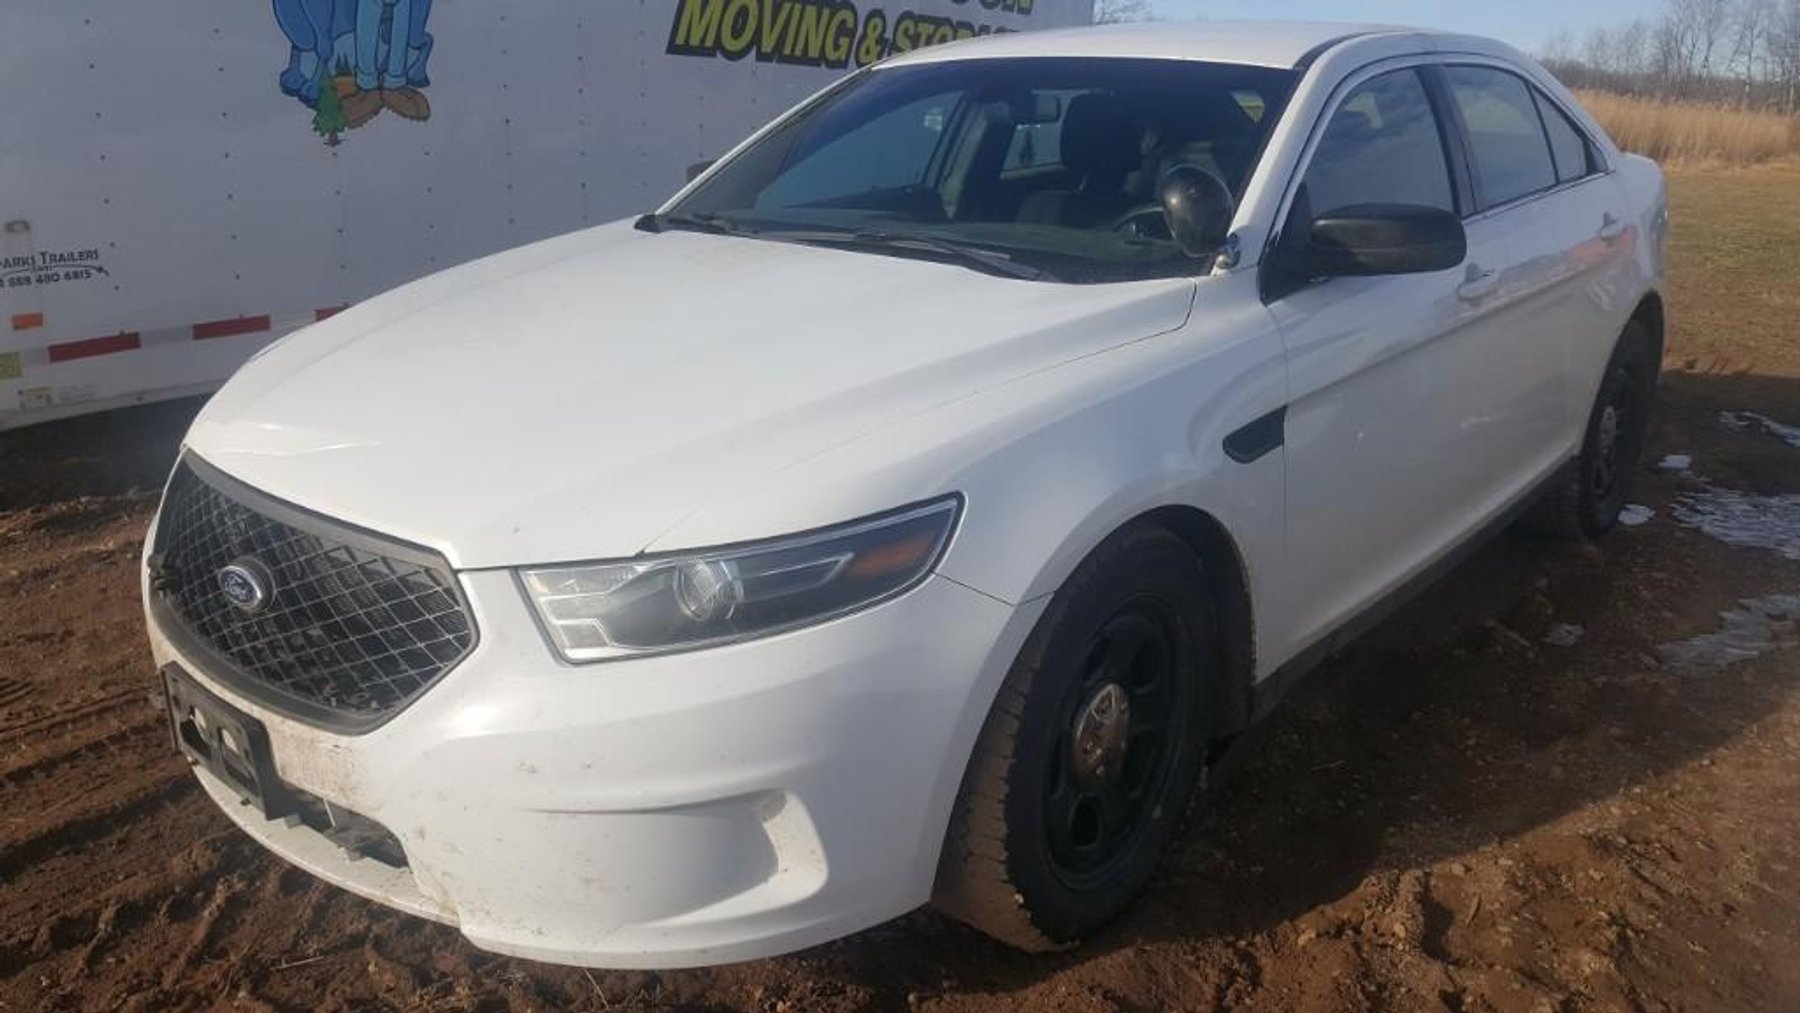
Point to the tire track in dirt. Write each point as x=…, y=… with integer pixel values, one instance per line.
x=64, y=919
x=227, y=897
x=84, y=750
x=74, y=717
x=12, y=691
x=117, y=809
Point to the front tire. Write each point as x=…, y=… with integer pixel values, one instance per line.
x=1084, y=768
x=1586, y=504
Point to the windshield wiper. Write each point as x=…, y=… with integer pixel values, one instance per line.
x=978, y=257
x=710, y=222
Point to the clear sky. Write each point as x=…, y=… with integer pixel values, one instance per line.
x=1524, y=23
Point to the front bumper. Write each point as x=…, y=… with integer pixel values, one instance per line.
x=676, y=811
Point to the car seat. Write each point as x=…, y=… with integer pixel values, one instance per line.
x=1102, y=146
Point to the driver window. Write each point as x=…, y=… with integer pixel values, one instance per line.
x=1382, y=146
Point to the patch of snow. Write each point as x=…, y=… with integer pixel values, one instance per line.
x=1759, y=626
x=1676, y=462
x=1636, y=515
x=1744, y=520
x=1740, y=421
x=1564, y=635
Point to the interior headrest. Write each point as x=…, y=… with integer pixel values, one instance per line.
x=1100, y=135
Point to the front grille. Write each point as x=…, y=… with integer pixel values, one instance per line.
x=353, y=626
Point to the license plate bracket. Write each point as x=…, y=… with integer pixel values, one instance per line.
x=225, y=742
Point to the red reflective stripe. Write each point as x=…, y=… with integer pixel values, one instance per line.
x=328, y=312
x=227, y=328
x=27, y=321
x=94, y=346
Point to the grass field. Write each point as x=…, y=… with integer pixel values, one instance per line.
x=1735, y=270
x=1695, y=133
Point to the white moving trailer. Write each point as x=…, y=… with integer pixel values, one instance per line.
x=181, y=183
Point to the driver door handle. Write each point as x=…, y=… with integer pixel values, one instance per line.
x=1611, y=227
x=1478, y=284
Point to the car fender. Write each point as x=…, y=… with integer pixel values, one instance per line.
x=1052, y=463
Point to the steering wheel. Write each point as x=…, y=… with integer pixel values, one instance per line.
x=1128, y=222
x=1194, y=207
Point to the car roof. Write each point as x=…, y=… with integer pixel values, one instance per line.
x=1257, y=43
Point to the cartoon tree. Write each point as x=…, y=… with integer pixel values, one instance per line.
x=329, y=121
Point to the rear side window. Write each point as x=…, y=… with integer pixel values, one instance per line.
x=1510, y=155
x=1382, y=146
x=1574, y=155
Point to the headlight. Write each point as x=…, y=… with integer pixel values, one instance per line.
x=655, y=605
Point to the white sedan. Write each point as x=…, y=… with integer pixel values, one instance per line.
x=905, y=510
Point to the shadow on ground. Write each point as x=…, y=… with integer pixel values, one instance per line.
x=111, y=454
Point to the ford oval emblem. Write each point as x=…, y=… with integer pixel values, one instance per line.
x=247, y=585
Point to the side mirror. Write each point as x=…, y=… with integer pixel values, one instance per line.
x=1378, y=239
x=1198, y=207
x=698, y=169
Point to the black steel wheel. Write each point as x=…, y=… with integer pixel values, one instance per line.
x=1092, y=752
x=1120, y=728
x=1587, y=501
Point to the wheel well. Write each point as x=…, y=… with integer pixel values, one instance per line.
x=1229, y=582
x=1649, y=312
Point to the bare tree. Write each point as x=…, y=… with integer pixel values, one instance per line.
x=1685, y=42
x=1712, y=21
x=1784, y=52
x=1560, y=49
x=1742, y=50
x=1599, y=50
x=1110, y=12
x=1749, y=49
x=1672, y=48
x=1631, y=48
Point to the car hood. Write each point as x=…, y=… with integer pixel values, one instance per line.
x=576, y=398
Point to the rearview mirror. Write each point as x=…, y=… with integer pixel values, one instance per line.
x=1378, y=239
x=698, y=169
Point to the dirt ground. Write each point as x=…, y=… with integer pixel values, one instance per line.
x=1454, y=815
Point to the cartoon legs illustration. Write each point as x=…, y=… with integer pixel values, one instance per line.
x=374, y=73
x=419, y=44
x=296, y=77
x=392, y=47
x=383, y=42
x=312, y=27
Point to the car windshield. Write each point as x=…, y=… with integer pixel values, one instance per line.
x=1040, y=167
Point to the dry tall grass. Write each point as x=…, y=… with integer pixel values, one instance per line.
x=1694, y=133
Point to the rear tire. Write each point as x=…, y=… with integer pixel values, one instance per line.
x=1586, y=503
x=1086, y=764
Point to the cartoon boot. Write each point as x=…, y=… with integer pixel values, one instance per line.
x=408, y=102
x=362, y=106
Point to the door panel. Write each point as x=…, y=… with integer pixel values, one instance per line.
x=1573, y=290
x=1541, y=179
x=1403, y=398
x=1420, y=406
